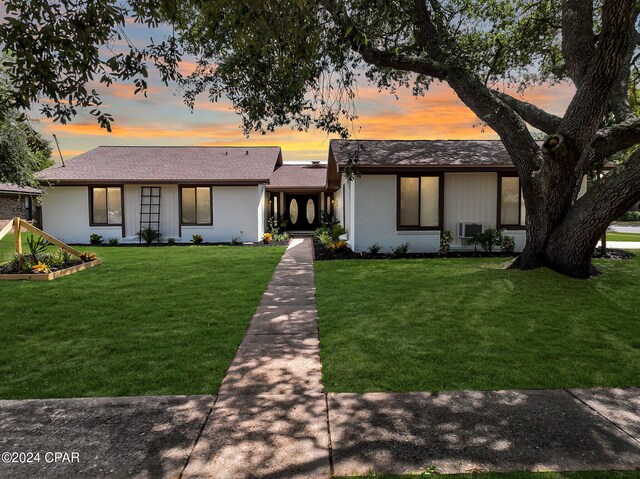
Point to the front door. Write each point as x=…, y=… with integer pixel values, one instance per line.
x=302, y=212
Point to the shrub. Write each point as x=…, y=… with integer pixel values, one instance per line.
x=37, y=245
x=488, y=239
x=508, y=244
x=281, y=237
x=374, y=249
x=329, y=232
x=171, y=241
x=324, y=238
x=339, y=245
x=86, y=257
x=236, y=241
x=95, y=239
x=267, y=237
x=149, y=235
x=400, y=251
x=630, y=216
x=446, y=238
x=197, y=239
x=113, y=242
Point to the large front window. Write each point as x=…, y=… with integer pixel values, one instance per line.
x=419, y=202
x=106, y=206
x=196, y=208
x=512, y=211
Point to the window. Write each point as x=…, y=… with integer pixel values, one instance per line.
x=419, y=202
x=195, y=205
x=511, y=205
x=106, y=205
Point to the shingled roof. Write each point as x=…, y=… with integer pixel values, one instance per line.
x=299, y=177
x=11, y=189
x=163, y=164
x=422, y=153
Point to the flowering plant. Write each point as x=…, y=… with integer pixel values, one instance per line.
x=40, y=268
x=267, y=237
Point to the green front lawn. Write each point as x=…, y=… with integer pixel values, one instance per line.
x=149, y=321
x=522, y=475
x=613, y=236
x=447, y=324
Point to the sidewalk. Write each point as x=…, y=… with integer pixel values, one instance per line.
x=272, y=418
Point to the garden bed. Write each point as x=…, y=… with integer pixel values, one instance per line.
x=57, y=273
x=322, y=253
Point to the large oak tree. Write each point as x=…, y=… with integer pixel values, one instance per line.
x=295, y=62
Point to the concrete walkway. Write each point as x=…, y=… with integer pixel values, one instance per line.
x=272, y=419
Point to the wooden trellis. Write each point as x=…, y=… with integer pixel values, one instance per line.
x=17, y=224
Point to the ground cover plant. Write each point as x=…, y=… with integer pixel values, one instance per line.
x=148, y=321
x=447, y=324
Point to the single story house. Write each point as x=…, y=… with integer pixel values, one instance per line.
x=403, y=192
x=412, y=191
x=17, y=201
x=220, y=193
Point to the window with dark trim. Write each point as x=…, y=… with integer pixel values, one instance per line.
x=419, y=202
x=196, y=205
x=511, y=210
x=106, y=206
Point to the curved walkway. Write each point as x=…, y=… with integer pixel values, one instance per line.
x=272, y=418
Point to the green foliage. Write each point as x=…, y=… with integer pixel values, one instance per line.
x=149, y=235
x=95, y=239
x=374, y=249
x=487, y=240
x=37, y=245
x=114, y=242
x=236, y=240
x=329, y=231
x=171, y=241
x=446, y=238
x=400, y=251
x=197, y=239
x=507, y=244
x=630, y=216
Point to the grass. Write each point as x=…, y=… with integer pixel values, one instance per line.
x=522, y=475
x=149, y=321
x=612, y=236
x=449, y=324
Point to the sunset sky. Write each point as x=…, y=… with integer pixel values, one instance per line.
x=163, y=119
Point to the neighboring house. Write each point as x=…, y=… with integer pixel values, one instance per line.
x=412, y=191
x=403, y=192
x=220, y=193
x=17, y=201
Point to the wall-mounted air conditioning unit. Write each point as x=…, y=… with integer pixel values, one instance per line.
x=469, y=230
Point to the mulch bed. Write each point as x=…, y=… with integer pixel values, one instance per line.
x=321, y=253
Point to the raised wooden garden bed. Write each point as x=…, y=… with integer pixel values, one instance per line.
x=17, y=224
x=53, y=274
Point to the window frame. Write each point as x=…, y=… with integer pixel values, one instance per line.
x=440, y=176
x=210, y=223
x=499, y=223
x=107, y=224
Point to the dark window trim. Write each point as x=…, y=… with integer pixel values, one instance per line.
x=210, y=223
x=439, y=227
x=102, y=225
x=499, y=224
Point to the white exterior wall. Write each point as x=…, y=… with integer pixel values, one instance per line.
x=469, y=198
x=371, y=200
x=375, y=218
x=65, y=215
x=237, y=211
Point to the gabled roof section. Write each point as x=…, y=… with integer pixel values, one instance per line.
x=421, y=153
x=168, y=164
x=299, y=177
x=11, y=189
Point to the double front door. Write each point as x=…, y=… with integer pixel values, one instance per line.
x=302, y=212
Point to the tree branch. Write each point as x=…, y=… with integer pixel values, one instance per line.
x=589, y=104
x=533, y=115
x=619, y=100
x=578, y=40
x=616, y=138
